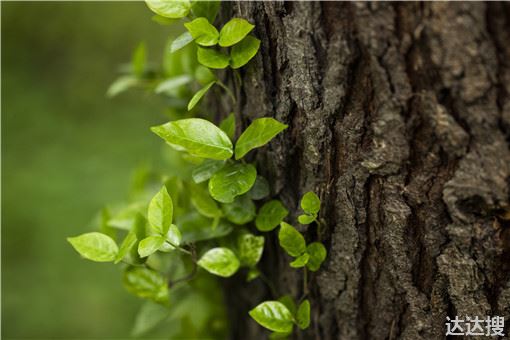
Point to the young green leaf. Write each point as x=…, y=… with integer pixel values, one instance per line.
x=219, y=261
x=252, y=274
x=203, y=32
x=270, y=215
x=310, y=203
x=260, y=189
x=150, y=245
x=231, y=181
x=291, y=240
x=197, y=96
x=174, y=236
x=241, y=211
x=306, y=219
x=95, y=246
x=274, y=316
x=317, y=253
x=259, y=133
x=161, y=211
x=244, y=51
x=234, y=31
x=208, y=9
x=212, y=58
x=228, y=125
x=205, y=170
x=126, y=245
x=139, y=60
x=204, y=204
x=250, y=248
x=300, y=261
x=303, y=315
x=288, y=301
x=197, y=136
x=172, y=84
x=180, y=42
x=173, y=9
x=146, y=283
x=122, y=84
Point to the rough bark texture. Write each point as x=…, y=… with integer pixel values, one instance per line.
x=399, y=118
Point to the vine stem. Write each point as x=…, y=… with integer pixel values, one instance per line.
x=193, y=272
x=271, y=286
x=229, y=92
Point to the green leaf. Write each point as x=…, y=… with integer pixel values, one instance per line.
x=180, y=42
x=150, y=245
x=139, y=60
x=204, y=204
x=212, y=58
x=121, y=84
x=195, y=227
x=260, y=189
x=317, y=253
x=250, y=248
x=197, y=96
x=160, y=212
x=234, y=31
x=205, y=170
x=162, y=20
x=288, y=301
x=270, y=215
x=274, y=316
x=203, y=32
x=173, y=9
x=146, y=283
x=279, y=336
x=197, y=136
x=244, y=51
x=172, y=84
x=259, y=133
x=219, y=261
x=95, y=246
x=310, y=203
x=208, y=9
x=291, y=240
x=126, y=245
x=204, y=75
x=306, y=219
x=300, y=261
x=303, y=315
x=228, y=125
x=148, y=317
x=174, y=235
x=252, y=274
x=241, y=211
x=233, y=180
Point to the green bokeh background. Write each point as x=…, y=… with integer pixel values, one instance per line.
x=66, y=151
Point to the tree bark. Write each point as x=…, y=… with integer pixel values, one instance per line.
x=399, y=118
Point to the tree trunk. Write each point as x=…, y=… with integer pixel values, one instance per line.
x=399, y=118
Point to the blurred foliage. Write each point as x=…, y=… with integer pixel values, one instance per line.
x=66, y=150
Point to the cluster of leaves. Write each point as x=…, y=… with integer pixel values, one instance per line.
x=232, y=46
x=201, y=215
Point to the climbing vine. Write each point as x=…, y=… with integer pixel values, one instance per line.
x=203, y=216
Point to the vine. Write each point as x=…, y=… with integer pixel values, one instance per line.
x=204, y=217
